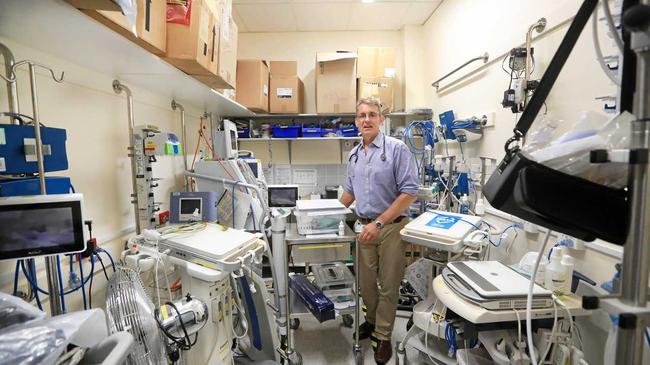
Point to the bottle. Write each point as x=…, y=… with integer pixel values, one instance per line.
x=555, y=274
x=568, y=265
x=339, y=192
x=464, y=204
x=341, y=228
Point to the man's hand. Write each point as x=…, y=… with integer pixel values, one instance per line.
x=369, y=233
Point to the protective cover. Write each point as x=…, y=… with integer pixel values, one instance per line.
x=14, y=310
x=318, y=304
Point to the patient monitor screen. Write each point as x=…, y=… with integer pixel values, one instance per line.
x=40, y=229
x=283, y=197
x=188, y=206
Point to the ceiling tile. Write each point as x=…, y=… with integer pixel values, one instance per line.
x=419, y=12
x=331, y=16
x=267, y=17
x=377, y=16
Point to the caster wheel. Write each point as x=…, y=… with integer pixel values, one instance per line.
x=294, y=323
x=348, y=321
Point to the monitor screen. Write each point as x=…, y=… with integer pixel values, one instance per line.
x=233, y=140
x=188, y=206
x=40, y=229
x=253, y=166
x=283, y=196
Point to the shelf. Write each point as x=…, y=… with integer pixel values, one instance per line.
x=304, y=116
x=57, y=28
x=298, y=139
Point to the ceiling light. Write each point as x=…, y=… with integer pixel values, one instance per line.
x=367, y=1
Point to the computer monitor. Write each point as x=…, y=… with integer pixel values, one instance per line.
x=282, y=196
x=41, y=225
x=182, y=206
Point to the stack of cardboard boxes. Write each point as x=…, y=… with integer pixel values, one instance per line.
x=273, y=87
x=200, y=40
x=376, y=75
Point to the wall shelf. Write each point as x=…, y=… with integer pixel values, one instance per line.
x=299, y=116
x=57, y=28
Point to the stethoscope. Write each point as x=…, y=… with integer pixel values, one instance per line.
x=356, y=152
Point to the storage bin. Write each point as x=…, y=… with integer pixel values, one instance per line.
x=324, y=132
x=332, y=275
x=285, y=131
x=310, y=132
x=243, y=133
x=310, y=223
x=350, y=131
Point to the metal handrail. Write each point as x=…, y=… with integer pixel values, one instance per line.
x=484, y=57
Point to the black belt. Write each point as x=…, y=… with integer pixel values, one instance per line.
x=368, y=221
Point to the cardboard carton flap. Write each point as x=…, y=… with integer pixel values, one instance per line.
x=334, y=56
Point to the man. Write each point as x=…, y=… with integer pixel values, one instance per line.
x=382, y=180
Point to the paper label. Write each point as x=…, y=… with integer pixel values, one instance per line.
x=443, y=221
x=383, y=85
x=3, y=138
x=389, y=72
x=284, y=92
x=204, y=27
x=266, y=90
x=3, y=166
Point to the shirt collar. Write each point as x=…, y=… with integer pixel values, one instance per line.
x=379, y=140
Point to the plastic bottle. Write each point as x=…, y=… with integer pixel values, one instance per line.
x=479, y=207
x=341, y=228
x=339, y=192
x=568, y=264
x=464, y=204
x=555, y=274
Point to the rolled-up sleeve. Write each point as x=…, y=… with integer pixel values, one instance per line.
x=348, y=185
x=405, y=174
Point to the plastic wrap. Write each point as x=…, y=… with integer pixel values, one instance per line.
x=14, y=310
x=42, y=341
x=130, y=11
x=569, y=153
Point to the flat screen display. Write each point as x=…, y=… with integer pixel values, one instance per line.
x=28, y=230
x=283, y=196
x=188, y=206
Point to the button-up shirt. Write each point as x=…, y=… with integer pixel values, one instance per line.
x=376, y=184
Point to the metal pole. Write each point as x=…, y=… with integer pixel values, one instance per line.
x=357, y=305
x=634, y=275
x=118, y=87
x=177, y=105
x=449, y=186
x=50, y=261
x=12, y=90
x=287, y=309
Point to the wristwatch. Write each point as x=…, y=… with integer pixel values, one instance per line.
x=379, y=224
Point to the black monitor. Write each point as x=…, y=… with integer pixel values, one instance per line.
x=282, y=196
x=41, y=225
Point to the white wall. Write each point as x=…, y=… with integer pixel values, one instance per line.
x=96, y=122
x=302, y=47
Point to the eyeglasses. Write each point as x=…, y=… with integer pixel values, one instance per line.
x=371, y=115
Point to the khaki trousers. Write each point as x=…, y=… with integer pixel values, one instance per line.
x=381, y=266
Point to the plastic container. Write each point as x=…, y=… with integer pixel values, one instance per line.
x=311, y=132
x=556, y=275
x=332, y=275
x=568, y=265
x=285, y=131
x=243, y=133
x=328, y=132
x=317, y=224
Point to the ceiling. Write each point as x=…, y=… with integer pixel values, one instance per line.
x=330, y=15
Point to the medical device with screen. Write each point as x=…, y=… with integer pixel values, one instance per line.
x=282, y=196
x=41, y=225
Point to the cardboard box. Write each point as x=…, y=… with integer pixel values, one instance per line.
x=284, y=68
x=376, y=62
x=253, y=85
x=95, y=5
x=151, y=24
x=336, y=83
x=381, y=88
x=188, y=46
x=227, y=70
x=286, y=94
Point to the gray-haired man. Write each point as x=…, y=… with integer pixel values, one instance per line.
x=383, y=182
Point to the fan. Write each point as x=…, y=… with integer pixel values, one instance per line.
x=130, y=309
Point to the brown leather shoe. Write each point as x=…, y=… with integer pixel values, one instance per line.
x=365, y=330
x=384, y=352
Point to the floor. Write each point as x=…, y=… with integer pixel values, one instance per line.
x=331, y=343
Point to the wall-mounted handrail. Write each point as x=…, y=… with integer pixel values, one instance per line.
x=484, y=57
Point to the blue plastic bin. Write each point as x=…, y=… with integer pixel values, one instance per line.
x=243, y=133
x=310, y=132
x=325, y=131
x=285, y=131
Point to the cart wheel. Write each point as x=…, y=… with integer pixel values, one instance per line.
x=358, y=357
x=348, y=321
x=294, y=323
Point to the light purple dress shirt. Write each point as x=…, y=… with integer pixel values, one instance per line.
x=376, y=184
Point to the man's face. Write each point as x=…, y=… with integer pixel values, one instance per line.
x=368, y=120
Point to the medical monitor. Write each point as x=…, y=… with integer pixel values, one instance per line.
x=183, y=205
x=225, y=141
x=282, y=196
x=41, y=225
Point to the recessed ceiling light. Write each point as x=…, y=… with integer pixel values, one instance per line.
x=367, y=1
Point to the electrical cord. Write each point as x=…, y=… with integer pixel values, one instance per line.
x=529, y=300
x=81, y=276
x=184, y=343
x=34, y=283
x=61, y=290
